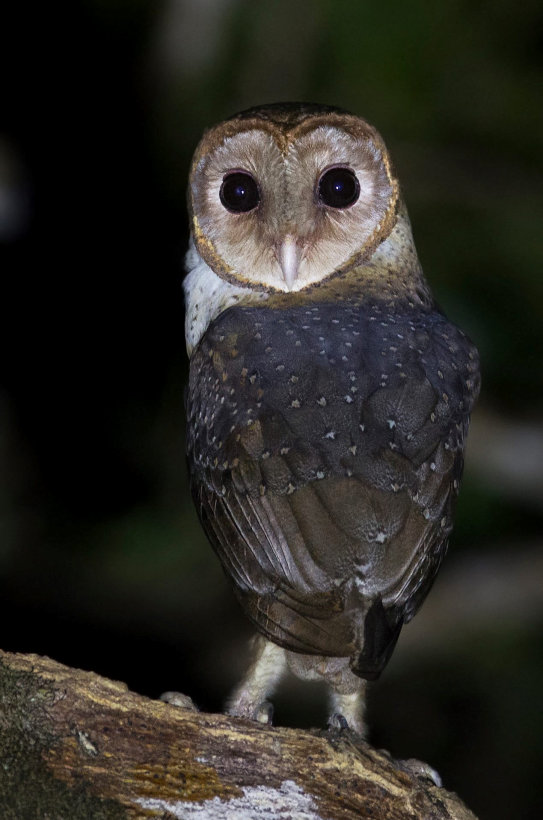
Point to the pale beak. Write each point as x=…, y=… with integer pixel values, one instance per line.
x=289, y=256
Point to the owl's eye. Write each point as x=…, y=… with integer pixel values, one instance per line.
x=339, y=188
x=239, y=192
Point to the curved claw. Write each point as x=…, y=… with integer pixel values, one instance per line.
x=264, y=712
x=420, y=769
x=179, y=700
x=338, y=721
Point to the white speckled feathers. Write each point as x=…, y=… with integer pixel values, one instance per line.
x=327, y=450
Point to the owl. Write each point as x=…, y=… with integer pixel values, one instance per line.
x=328, y=399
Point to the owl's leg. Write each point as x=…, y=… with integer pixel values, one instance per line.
x=249, y=699
x=347, y=710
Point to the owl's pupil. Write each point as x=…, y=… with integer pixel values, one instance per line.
x=339, y=188
x=239, y=192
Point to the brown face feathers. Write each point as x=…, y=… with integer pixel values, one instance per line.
x=287, y=161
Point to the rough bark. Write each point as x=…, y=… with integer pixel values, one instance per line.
x=74, y=745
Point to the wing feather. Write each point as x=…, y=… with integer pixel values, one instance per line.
x=326, y=474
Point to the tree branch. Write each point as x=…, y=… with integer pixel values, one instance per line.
x=74, y=745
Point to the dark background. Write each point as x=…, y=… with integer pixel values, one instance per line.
x=102, y=562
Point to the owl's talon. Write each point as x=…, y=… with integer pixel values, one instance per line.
x=338, y=721
x=264, y=713
x=418, y=768
x=179, y=700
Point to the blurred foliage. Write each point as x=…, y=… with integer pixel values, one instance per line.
x=102, y=561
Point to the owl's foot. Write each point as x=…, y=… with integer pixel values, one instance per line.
x=264, y=713
x=420, y=769
x=261, y=712
x=250, y=698
x=179, y=700
x=337, y=722
x=347, y=711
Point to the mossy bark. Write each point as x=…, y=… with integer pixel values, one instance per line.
x=74, y=745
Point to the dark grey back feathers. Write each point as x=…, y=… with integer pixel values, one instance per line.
x=325, y=444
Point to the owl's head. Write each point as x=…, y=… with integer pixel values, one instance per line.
x=287, y=195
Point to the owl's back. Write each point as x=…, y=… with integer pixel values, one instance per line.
x=326, y=444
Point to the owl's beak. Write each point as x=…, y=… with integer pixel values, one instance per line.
x=289, y=256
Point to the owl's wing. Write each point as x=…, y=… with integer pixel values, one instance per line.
x=325, y=481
